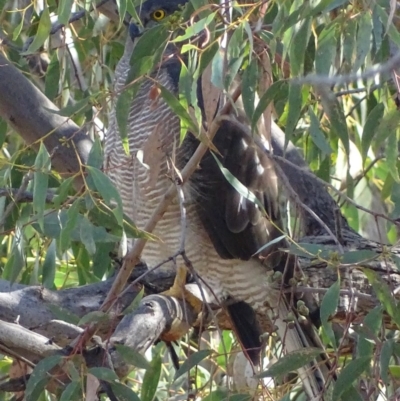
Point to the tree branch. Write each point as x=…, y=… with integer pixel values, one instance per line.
x=30, y=113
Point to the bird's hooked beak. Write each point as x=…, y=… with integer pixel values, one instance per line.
x=135, y=30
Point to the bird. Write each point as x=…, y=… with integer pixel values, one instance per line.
x=226, y=233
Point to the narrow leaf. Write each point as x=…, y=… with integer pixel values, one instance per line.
x=94, y=317
x=41, y=372
x=64, y=11
x=290, y=362
x=242, y=189
x=103, y=374
x=192, y=361
x=317, y=135
x=122, y=110
x=107, y=191
x=151, y=379
x=297, y=50
x=71, y=391
x=49, y=266
x=178, y=109
x=392, y=155
x=384, y=295
x=124, y=393
x=370, y=128
x=273, y=91
x=40, y=185
x=350, y=373
x=42, y=33
x=359, y=256
x=386, y=354
x=132, y=357
x=328, y=309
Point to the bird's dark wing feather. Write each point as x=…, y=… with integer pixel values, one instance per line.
x=236, y=225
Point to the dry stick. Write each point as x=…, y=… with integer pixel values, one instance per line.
x=132, y=258
x=314, y=79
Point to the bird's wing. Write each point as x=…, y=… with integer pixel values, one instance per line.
x=235, y=223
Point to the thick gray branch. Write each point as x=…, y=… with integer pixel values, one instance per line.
x=29, y=112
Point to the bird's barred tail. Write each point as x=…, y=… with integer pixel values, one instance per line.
x=313, y=375
x=298, y=337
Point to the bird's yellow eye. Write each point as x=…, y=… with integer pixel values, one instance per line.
x=158, y=15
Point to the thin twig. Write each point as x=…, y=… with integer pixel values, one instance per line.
x=313, y=79
x=314, y=290
x=25, y=181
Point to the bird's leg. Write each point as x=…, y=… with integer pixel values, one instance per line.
x=179, y=291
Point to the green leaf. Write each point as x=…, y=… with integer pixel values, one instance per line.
x=386, y=354
x=310, y=250
x=124, y=393
x=178, y=109
x=273, y=91
x=40, y=373
x=122, y=8
x=107, y=191
x=192, y=361
x=243, y=190
x=328, y=309
x=63, y=191
x=94, y=317
x=395, y=371
x=370, y=128
x=268, y=244
x=40, y=182
x=317, y=136
x=132, y=357
x=298, y=47
x=326, y=50
x=358, y=256
x=71, y=392
x=103, y=374
x=86, y=236
x=135, y=303
x=17, y=30
x=351, y=394
x=384, y=295
x=122, y=110
x=372, y=324
x=337, y=119
x=195, y=28
x=151, y=379
x=64, y=11
x=63, y=314
x=96, y=156
x=349, y=35
x=68, y=226
x=78, y=107
x=291, y=362
x=350, y=373
x=387, y=126
x=49, y=266
x=52, y=77
x=16, y=262
x=217, y=395
x=363, y=39
x=42, y=33
x=295, y=102
x=392, y=155
x=249, y=85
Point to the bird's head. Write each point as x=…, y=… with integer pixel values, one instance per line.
x=153, y=12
